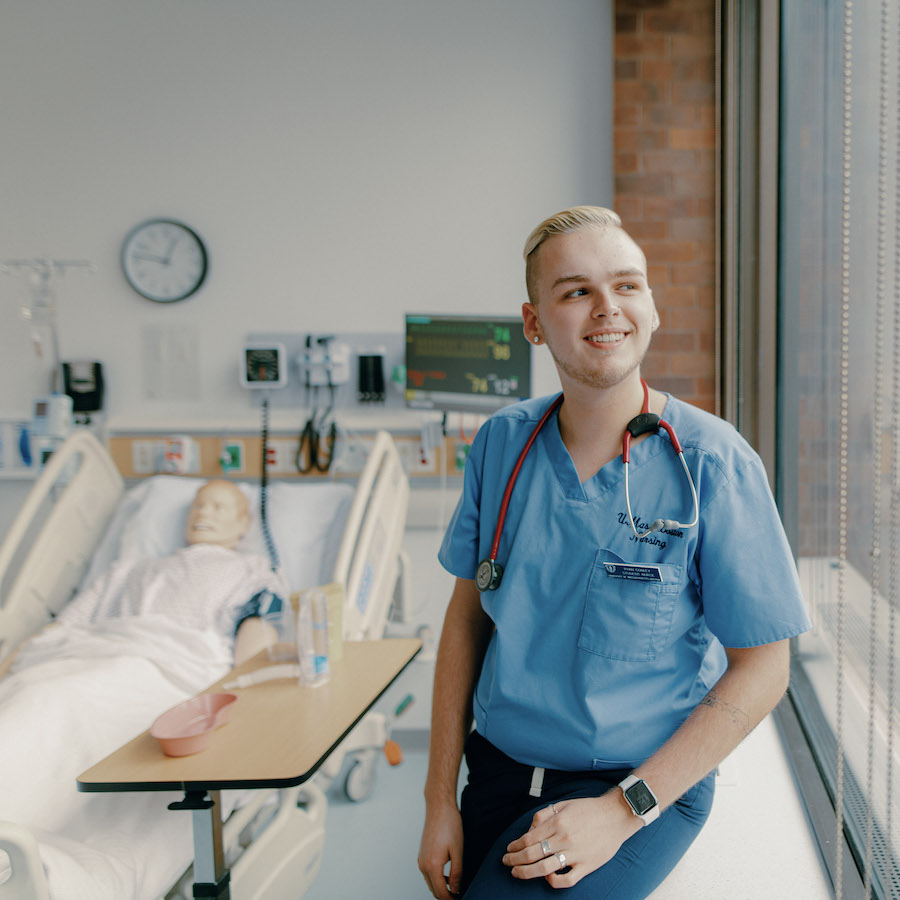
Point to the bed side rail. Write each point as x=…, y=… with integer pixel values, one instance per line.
x=49, y=545
x=368, y=559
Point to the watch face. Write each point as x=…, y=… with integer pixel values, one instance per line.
x=640, y=797
x=164, y=260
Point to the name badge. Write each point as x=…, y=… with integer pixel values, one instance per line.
x=632, y=572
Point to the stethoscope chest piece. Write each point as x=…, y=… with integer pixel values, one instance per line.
x=488, y=575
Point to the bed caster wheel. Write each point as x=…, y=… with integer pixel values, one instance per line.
x=360, y=781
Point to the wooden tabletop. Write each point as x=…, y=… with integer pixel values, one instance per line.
x=280, y=732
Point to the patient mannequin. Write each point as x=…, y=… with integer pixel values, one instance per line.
x=206, y=585
x=220, y=515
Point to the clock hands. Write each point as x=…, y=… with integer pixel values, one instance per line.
x=172, y=244
x=163, y=260
x=155, y=257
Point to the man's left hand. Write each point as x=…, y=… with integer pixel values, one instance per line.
x=587, y=832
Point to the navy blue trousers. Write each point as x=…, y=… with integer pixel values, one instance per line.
x=497, y=809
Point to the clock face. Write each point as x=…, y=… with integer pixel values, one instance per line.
x=164, y=260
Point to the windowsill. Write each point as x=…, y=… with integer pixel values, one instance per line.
x=865, y=743
x=757, y=842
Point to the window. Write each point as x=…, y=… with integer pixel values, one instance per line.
x=838, y=472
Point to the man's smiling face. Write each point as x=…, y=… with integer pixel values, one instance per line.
x=594, y=308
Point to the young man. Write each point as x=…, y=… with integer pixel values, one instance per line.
x=616, y=663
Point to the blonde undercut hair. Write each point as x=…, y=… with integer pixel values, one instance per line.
x=565, y=222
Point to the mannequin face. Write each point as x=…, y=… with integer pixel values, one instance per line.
x=218, y=515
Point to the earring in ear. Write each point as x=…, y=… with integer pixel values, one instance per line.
x=536, y=339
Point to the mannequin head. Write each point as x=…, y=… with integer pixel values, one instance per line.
x=219, y=514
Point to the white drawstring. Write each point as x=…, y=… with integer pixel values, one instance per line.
x=537, y=782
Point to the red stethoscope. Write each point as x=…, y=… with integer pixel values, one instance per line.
x=489, y=572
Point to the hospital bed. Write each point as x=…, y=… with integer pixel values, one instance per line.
x=76, y=521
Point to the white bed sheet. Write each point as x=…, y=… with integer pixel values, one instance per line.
x=60, y=693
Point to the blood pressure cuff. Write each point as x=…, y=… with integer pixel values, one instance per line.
x=263, y=605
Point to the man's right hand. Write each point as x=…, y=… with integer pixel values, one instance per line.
x=442, y=840
x=464, y=640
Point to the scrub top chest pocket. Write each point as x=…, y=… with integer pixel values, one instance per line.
x=629, y=607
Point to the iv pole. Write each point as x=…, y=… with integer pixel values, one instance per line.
x=39, y=305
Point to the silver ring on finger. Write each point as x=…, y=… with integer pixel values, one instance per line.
x=545, y=848
x=562, y=859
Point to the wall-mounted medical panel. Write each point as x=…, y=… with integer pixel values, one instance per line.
x=340, y=371
x=239, y=455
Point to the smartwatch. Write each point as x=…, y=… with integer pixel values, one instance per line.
x=640, y=798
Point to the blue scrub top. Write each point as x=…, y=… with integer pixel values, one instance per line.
x=594, y=664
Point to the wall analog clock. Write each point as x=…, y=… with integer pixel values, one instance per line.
x=164, y=260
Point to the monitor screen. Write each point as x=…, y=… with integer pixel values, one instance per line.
x=466, y=363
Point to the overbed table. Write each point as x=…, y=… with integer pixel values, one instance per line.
x=279, y=734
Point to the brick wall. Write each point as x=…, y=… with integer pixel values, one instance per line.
x=665, y=168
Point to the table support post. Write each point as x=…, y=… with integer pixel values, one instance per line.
x=211, y=876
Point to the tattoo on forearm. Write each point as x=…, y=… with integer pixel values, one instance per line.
x=738, y=716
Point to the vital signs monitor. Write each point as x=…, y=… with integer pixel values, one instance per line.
x=466, y=363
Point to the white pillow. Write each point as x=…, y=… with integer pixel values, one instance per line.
x=306, y=521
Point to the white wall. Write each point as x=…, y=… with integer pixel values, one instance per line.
x=345, y=161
